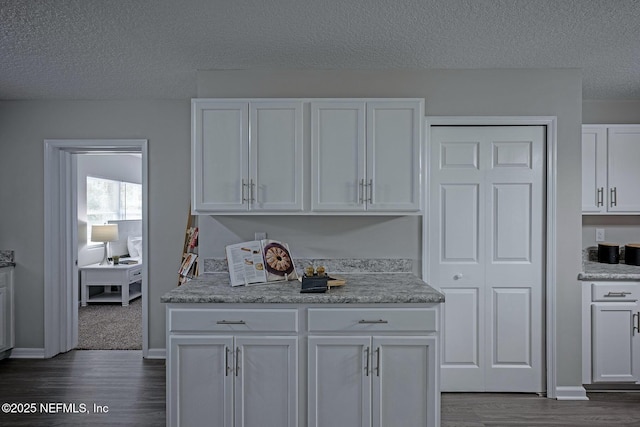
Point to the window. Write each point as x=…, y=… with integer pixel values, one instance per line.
x=108, y=200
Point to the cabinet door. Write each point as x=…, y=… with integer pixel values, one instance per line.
x=623, y=150
x=275, y=150
x=615, y=343
x=337, y=155
x=220, y=155
x=594, y=169
x=339, y=384
x=200, y=381
x=6, y=309
x=266, y=389
x=405, y=381
x=394, y=130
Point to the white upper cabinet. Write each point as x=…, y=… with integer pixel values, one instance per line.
x=610, y=169
x=247, y=155
x=623, y=173
x=366, y=155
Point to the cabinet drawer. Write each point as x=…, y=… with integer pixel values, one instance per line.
x=615, y=291
x=373, y=320
x=212, y=320
x=107, y=277
x=135, y=275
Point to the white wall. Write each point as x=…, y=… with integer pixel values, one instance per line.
x=24, y=125
x=446, y=93
x=117, y=167
x=617, y=229
x=604, y=111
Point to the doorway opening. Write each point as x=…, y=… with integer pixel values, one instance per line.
x=61, y=287
x=109, y=192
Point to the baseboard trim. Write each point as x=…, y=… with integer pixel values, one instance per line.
x=571, y=393
x=27, y=353
x=156, y=353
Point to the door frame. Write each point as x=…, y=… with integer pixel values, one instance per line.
x=59, y=229
x=550, y=217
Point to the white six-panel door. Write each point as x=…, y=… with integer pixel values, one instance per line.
x=485, y=253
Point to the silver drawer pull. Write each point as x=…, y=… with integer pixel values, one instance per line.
x=363, y=321
x=617, y=294
x=231, y=322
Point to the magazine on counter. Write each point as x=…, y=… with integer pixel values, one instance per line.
x=260, y=261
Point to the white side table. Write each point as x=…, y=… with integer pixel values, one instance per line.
x=106, y=276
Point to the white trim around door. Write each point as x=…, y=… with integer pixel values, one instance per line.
x=59, y=247
x=550, y=218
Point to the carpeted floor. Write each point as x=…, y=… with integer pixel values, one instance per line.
x=110, y=326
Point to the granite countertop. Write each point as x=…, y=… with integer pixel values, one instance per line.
x=601, y=271
x=361, y=288
x=7, y=259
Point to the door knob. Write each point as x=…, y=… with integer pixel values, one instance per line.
x=457, y=276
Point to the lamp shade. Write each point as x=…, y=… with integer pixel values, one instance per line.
x=104, y=233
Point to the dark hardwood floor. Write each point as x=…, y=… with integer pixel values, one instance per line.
x=133, y=389
x=515, y=409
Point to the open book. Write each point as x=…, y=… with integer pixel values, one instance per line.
x=260, y=261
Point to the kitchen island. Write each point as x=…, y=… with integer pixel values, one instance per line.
x=361, y=354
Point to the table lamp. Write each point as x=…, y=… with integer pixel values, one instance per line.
x=104, y=233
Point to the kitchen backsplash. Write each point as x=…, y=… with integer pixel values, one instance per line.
x=591, y=254
x=349, y=265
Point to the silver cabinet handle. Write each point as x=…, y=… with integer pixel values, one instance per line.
x=378, y=361
x=600, y=197
x=614, y=196
x=361, y=192
x=366, y=360
x=244, y=199
x=457, y=276
x=636, y=324
x=231, y=322
x=237, y=360
x=364, y=321
x=370, y=200
x=227, y=368
x=252, y=198
x=617, y=294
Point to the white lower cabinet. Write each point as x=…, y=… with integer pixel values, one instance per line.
x=611, y=333
x=6, y=311
x=372, y=381
x=373, y=367
x=363, y=366
x=232, y=367
x=234, y=381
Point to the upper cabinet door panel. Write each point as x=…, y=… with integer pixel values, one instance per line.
x=276, y=178
x=338, y=155
x=594, y=158
x=393, y=155
x=220, y=155
x=623, y=149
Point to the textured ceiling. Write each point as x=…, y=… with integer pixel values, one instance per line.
x=93, y=49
